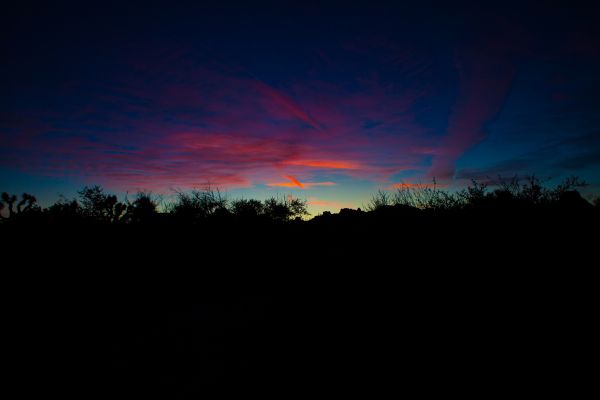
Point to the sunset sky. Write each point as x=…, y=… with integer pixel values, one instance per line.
x=324, y=102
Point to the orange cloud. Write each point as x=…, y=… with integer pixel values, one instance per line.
x=296, y=183
x=282, y=184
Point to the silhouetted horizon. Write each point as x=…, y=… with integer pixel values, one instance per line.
x=325, y=101
x=332, y=198
x=94, y=205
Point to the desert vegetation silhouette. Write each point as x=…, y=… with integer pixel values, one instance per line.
x=95, y=206
x=125, y=287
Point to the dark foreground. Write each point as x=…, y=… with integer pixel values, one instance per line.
x=474, y=304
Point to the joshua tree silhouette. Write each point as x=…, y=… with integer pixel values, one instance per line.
x=26, y=204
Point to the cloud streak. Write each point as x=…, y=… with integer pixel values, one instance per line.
x=195, y=125
x=295, y=183
x=486, y=71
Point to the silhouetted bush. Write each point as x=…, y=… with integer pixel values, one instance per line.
x=247, y=209
x=198, y=204
x=143, y=209
x=425, y=197
x=379, y=200
x=284, y=209
x=65, y=211
x=100, y=206
x=509, y=194
x=505, y=197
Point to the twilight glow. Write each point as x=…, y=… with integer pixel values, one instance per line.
x=328, y=103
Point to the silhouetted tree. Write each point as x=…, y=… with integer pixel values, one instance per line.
x=284, y=209
x=64, y=210
x=100, y=206
x=25, y=206
x=473, y=195
x=533, y=191
x=143, y=209
x=247, y=209
x=9, y=200
x=570, y=184
x=28, y=201
x=511, y=196
x=199, y=204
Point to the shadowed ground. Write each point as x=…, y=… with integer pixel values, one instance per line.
x=431, y=303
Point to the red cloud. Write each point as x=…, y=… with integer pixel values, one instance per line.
x=295, y=181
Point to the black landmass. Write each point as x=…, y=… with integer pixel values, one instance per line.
x=496, y=295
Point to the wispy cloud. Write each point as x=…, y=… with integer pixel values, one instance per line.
x=183, y=124
x=486, y=71
x=295, y=183
x=569, y=155
x=325, y=164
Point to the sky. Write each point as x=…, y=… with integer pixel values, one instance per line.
x=326, y=101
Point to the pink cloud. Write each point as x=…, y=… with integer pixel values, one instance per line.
x=208, y=126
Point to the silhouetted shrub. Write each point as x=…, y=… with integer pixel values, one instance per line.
x=199, y=204
x=533, y=191
x=473, y=195
x=506, y=197
x=100, y=206
x=379, y=200
x=509, y=194
x=425, y=197
x=65, y=211
x=247, y=209
x=143, y=209
x=570, y=184
x=284, y=209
